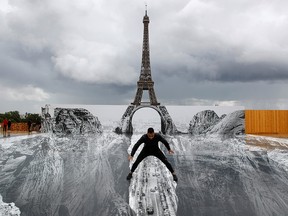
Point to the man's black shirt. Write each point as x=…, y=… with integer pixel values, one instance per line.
x=150, y=145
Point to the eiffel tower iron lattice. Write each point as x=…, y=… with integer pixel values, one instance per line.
x=146, y=83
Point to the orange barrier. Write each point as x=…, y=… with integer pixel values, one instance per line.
x=23, y=127
x=266, y=121
x=19, y=127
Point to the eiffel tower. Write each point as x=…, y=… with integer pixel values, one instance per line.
x=146, y=83
x=145, y=80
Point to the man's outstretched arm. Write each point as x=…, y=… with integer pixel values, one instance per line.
x=165, y=142
x=135, y=147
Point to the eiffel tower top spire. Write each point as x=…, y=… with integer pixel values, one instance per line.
x=145, y=65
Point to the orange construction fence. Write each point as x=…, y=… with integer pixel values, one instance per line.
x=23, y=127
x=19, y=127
x=266, y=121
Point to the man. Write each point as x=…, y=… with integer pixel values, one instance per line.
x=9, y=127
x=151, y=148
x=5, y=124
x=29, y=123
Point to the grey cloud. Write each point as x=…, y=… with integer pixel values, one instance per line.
x=217, y=42
x=218, y=68
x=252, y=72
x=90, y=51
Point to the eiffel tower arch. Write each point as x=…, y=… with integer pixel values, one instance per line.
x=167, y=125
x=146, y=83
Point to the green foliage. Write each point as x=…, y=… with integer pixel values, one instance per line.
x=33, y=118
x=15, y=117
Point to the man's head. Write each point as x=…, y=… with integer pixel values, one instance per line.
x=150, y=133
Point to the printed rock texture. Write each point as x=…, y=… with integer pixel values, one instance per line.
x=208, y=122
x=75, y=121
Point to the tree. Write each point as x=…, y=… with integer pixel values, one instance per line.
x=13, y=116
x=32, y=117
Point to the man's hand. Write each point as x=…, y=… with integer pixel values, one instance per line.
x=130, y=158
x=171, y=152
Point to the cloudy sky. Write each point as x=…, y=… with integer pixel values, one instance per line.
x=203, y=52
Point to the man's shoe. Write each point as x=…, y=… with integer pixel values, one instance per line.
x=129, y=176
x=175, y=177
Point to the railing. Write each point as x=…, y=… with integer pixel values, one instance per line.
x=145, y=103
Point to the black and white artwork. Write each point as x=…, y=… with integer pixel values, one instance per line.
x=78, y=166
